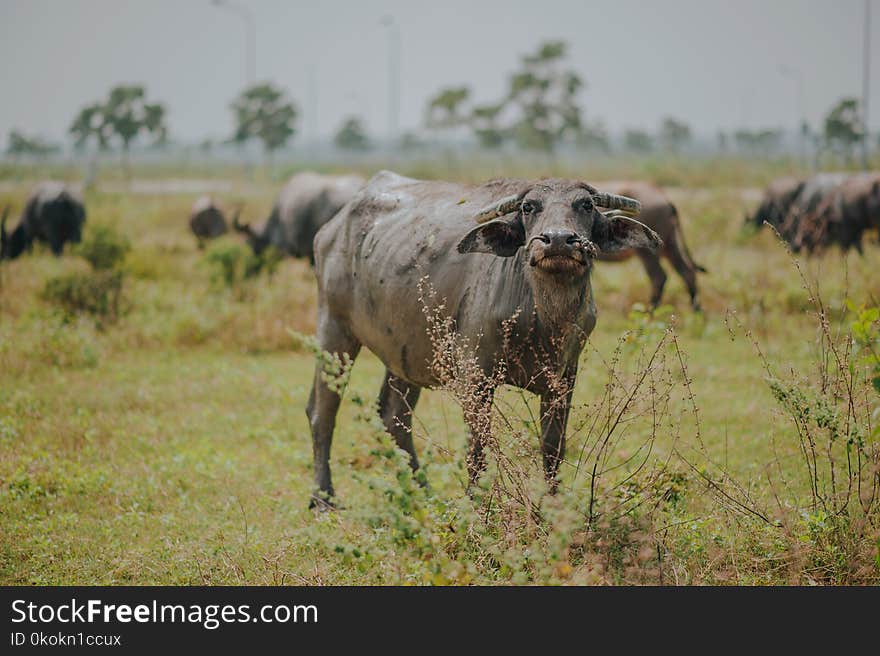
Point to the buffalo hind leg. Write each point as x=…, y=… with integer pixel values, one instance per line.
x=554, y=419
x=656, y=274
x=688, y=273
x=397, y=401
x=323, y=406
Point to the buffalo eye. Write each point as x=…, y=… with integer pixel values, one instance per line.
x=528, y=207
x=584, y=205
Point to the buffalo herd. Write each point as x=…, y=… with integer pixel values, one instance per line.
x=508, y=264
x=815, y=213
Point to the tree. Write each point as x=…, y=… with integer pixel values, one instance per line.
x=545, y=97
x=444, y=110
x=674, y=134
x=638, y=141
x=844, y=127
x=89, y=125
x=123, y=116
x=594, y=136
x=20, y=144
x=352, y=135
x=758, y=141
x=128, y=114
x=262, y=112
x=484, y=123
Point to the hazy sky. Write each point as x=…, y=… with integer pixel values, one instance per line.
x=714, y=63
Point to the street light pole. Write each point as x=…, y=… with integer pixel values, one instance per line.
x=866, y=77
x=250, y=37
x=796, y=76
x=393, y=76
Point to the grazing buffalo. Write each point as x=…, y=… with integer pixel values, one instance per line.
x=843, y=215
x=659, y=214
x=776, y=202
x=206, y=220
x=306, y=202
x=508, y=264
x=804, y=205
x=53, y=214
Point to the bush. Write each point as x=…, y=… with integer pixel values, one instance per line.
x=233, y=264
x=103, y=247
x=97, y=293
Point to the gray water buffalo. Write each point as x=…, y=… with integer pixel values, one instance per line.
x=53, y=214
x=306, y=202
x=206, y=220
x=508, y=264
x=843, y=216
x=776, y=202
x=661, y=215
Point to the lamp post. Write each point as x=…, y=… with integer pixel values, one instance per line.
x=250, y=36
x=393, y=31
x=866, y=78
x=798, y=78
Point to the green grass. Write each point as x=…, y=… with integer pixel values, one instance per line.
x=172, y=446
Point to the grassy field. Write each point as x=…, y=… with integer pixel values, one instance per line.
x=171, y=445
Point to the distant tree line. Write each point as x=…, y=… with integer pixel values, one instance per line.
x=540, y=110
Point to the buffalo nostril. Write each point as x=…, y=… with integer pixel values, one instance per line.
x=544, y=238
x=573, y=239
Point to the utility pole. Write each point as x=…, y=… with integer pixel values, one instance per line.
x=250, y=37
x=312, y=112
x=393, y=77
x=797, y=77
x=866, y=82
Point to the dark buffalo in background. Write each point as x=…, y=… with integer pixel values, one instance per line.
x=307, y=202
x=206, y=220
x=801, y=213
x=776, y=202
x=510, y=263
x=54, y=214
x=843, y=216
x=661, y=215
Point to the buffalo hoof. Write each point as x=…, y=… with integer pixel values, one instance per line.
x=320, y=502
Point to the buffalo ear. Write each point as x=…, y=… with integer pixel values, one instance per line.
x=501, y=237
x=618, y=233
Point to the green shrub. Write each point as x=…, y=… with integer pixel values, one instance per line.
x=232, y=264
x=97, y=293
x=103, y=247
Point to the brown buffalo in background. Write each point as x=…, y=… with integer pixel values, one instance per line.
x=661, y=215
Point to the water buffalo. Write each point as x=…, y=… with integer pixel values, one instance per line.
x=805, y=203
x=206, y=220
x=776, y=202
x=509, y=262
x=306, y=202
x=843, y=215
x=53, y=214
x=659, y=214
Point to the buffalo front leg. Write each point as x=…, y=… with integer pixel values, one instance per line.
x=554, y=419
x=656, y=274
x=323, y=406
x=478, y=417
x=397, y=401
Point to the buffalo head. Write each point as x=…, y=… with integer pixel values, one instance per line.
x=258, y=242
x=561, y=227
